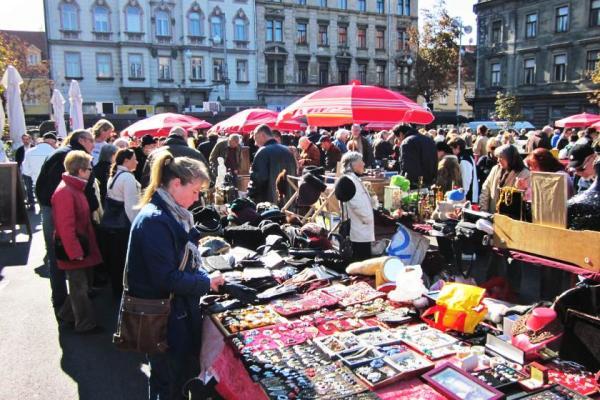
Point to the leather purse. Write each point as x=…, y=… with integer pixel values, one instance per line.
x=511, y=203
x=142, y=323
x=61, y=253
x=114, y=216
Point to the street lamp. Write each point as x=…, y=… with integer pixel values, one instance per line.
x=225, y=75
x=467, y=29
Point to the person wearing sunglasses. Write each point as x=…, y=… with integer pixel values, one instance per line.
x=583, y=209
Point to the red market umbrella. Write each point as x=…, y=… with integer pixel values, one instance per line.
x=578, y=121
x=378, y=126
x=161, y=124
x=246, y=120
x=356, y=103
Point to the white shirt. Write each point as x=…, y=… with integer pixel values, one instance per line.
x=468, y=173
x=34, y=159
x=126, y=189
x=360, y=213
x=96, y=151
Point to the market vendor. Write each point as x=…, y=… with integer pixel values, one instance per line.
x=358, y=207
x=162, y=236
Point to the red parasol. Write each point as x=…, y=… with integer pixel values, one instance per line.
x=356, y=103
x=161, y=124
x=578, y=121
x=245, y=121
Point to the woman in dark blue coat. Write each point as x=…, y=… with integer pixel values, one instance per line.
x=161, y=234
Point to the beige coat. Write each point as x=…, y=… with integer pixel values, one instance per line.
x=491, y=190
x=360, y=213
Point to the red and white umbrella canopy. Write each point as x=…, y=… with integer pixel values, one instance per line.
x=161, y=124
x=356, y=103
x=246, y=121
x=578, y=121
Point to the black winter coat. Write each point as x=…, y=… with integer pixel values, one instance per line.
x=51, y=175
x=418, y=157
x=268, y=162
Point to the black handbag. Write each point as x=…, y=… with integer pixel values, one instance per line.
x=60, y=252
x=511, y=203
x=345, y=245
x=114, y=216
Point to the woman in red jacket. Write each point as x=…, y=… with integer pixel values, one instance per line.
x=75, y=238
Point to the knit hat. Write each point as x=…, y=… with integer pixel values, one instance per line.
x=344, y=189
x=310, y=189
x=147, y=140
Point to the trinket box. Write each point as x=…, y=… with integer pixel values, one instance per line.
x=371, y=308
x=376, y=336
x=301, y=304
x=277, y=336
x=361, y=356
x=500, y=376
x=538, y=377
x=457, y=384
x=428, y=341
x=250, y=317
x=557, y=392
x=338, y=343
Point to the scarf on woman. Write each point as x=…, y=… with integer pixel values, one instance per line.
x=186, y=220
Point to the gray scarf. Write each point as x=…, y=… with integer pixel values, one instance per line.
x=186, y=220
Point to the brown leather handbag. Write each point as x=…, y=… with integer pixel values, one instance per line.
x=142, y=324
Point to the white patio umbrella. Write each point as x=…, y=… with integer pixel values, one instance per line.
x=16, y=116
x=76, y=106
x=2, y=117
x=58, y=107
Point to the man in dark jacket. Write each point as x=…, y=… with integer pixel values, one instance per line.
x=270, y=159
x=207, y=147
x=418, y=156
x=175, y=144
x=332, y=155
x=359, y=143
x=540, y=139
x=146, y=147
x=49, y=178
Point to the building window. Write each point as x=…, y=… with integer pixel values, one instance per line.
x=592, y=59
x=443, y=99
x=133, y=19
x=404, y=7
x=33, y=59
x=72, y=65
x=275, y=72
x=380, y=72
x=197, y=68
x=531, y=25
x=362, y=5
x=323, y=3
x=343, y=4
x=362, y=73
x=136, y=69
x=342, y=36
x=323, y=73
x=560, y=68
x=195, y=24
x=164, y=68
x=528, y=113
x=343, y=74
x=362, y=38
x=530, y=71
x=240, y=33
x=402, y=39
x=218, y=70
x=595, y=13
x=301, y=33
x=562, y=19
x=403, y=75
x=241, y=70
x=302, y=72
x=557, y=112
x=274, y=30
x=69, y=17
x=103, y=65
x=323, y=39
x=163, y=23
x=216, y=27
x=497, y=32
x=302, y=2
x=101, y=20
x=380, y=39
x=380, y=6
x=496, y=71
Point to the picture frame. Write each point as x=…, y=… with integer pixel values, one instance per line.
x=456, y=384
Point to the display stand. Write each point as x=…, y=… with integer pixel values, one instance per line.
x=315, y=210
x=12, y=200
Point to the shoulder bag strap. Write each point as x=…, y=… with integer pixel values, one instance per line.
x=116, y=176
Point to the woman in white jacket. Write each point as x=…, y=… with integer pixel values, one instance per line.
x=359, y=208
x=123, y=191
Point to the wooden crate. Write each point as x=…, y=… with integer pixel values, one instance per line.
x=576, y=247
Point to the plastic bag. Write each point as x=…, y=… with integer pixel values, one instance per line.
x=408, y=245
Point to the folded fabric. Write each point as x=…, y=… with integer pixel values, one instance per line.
x=243, y=293
x=245, y=235
x=213, y=245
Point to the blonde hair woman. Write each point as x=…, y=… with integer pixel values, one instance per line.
x=162, y=234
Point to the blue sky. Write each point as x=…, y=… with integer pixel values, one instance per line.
x=14, y=18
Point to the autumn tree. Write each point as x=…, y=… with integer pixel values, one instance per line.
x=437, y=53
x=507, y=108
x=594, y=97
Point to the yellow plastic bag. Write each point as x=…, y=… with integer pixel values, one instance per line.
x=458, y=307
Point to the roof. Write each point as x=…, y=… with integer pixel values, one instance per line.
x=38, y=39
